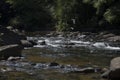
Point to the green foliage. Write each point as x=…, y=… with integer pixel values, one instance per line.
x=64, y=15
x=108, y=10
x=30, y=14
x=109, y=15
x=68, y=10
x=112, y=15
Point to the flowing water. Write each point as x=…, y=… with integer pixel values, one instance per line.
x=60, y=58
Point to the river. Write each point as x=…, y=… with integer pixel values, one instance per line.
x=62, y=58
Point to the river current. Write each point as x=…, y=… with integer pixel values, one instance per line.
x=61, y=58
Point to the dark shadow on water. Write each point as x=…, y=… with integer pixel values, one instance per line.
x=115, y=79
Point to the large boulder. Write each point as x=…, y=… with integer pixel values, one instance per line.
x=8, y=37
x=115, y=68
x=114, y=72
x=10, y=50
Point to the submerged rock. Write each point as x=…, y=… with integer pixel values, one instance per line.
x=53, y=64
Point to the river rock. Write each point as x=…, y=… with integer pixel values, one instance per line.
x=108, y=35
x=86, y=70
x=53, y=64
x=33, y=42
x=114, y=39
x=6, y=70
x=115, y=68
x=11, y=58
x=105, y=74
x=42, y=42
x=26, y=43
x=73, y=35
x=114, y=72
x=10, y=50
x=9, y=37
x=52, y=34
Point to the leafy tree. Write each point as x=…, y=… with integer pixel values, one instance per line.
x=63, y=14
x=31, y=15
x=67, y=15
x=107, y=11
x=6, y=12
x=72, y=14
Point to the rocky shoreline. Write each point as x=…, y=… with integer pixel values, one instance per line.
x=12, y=42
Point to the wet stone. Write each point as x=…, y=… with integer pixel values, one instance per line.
x=53, y=64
